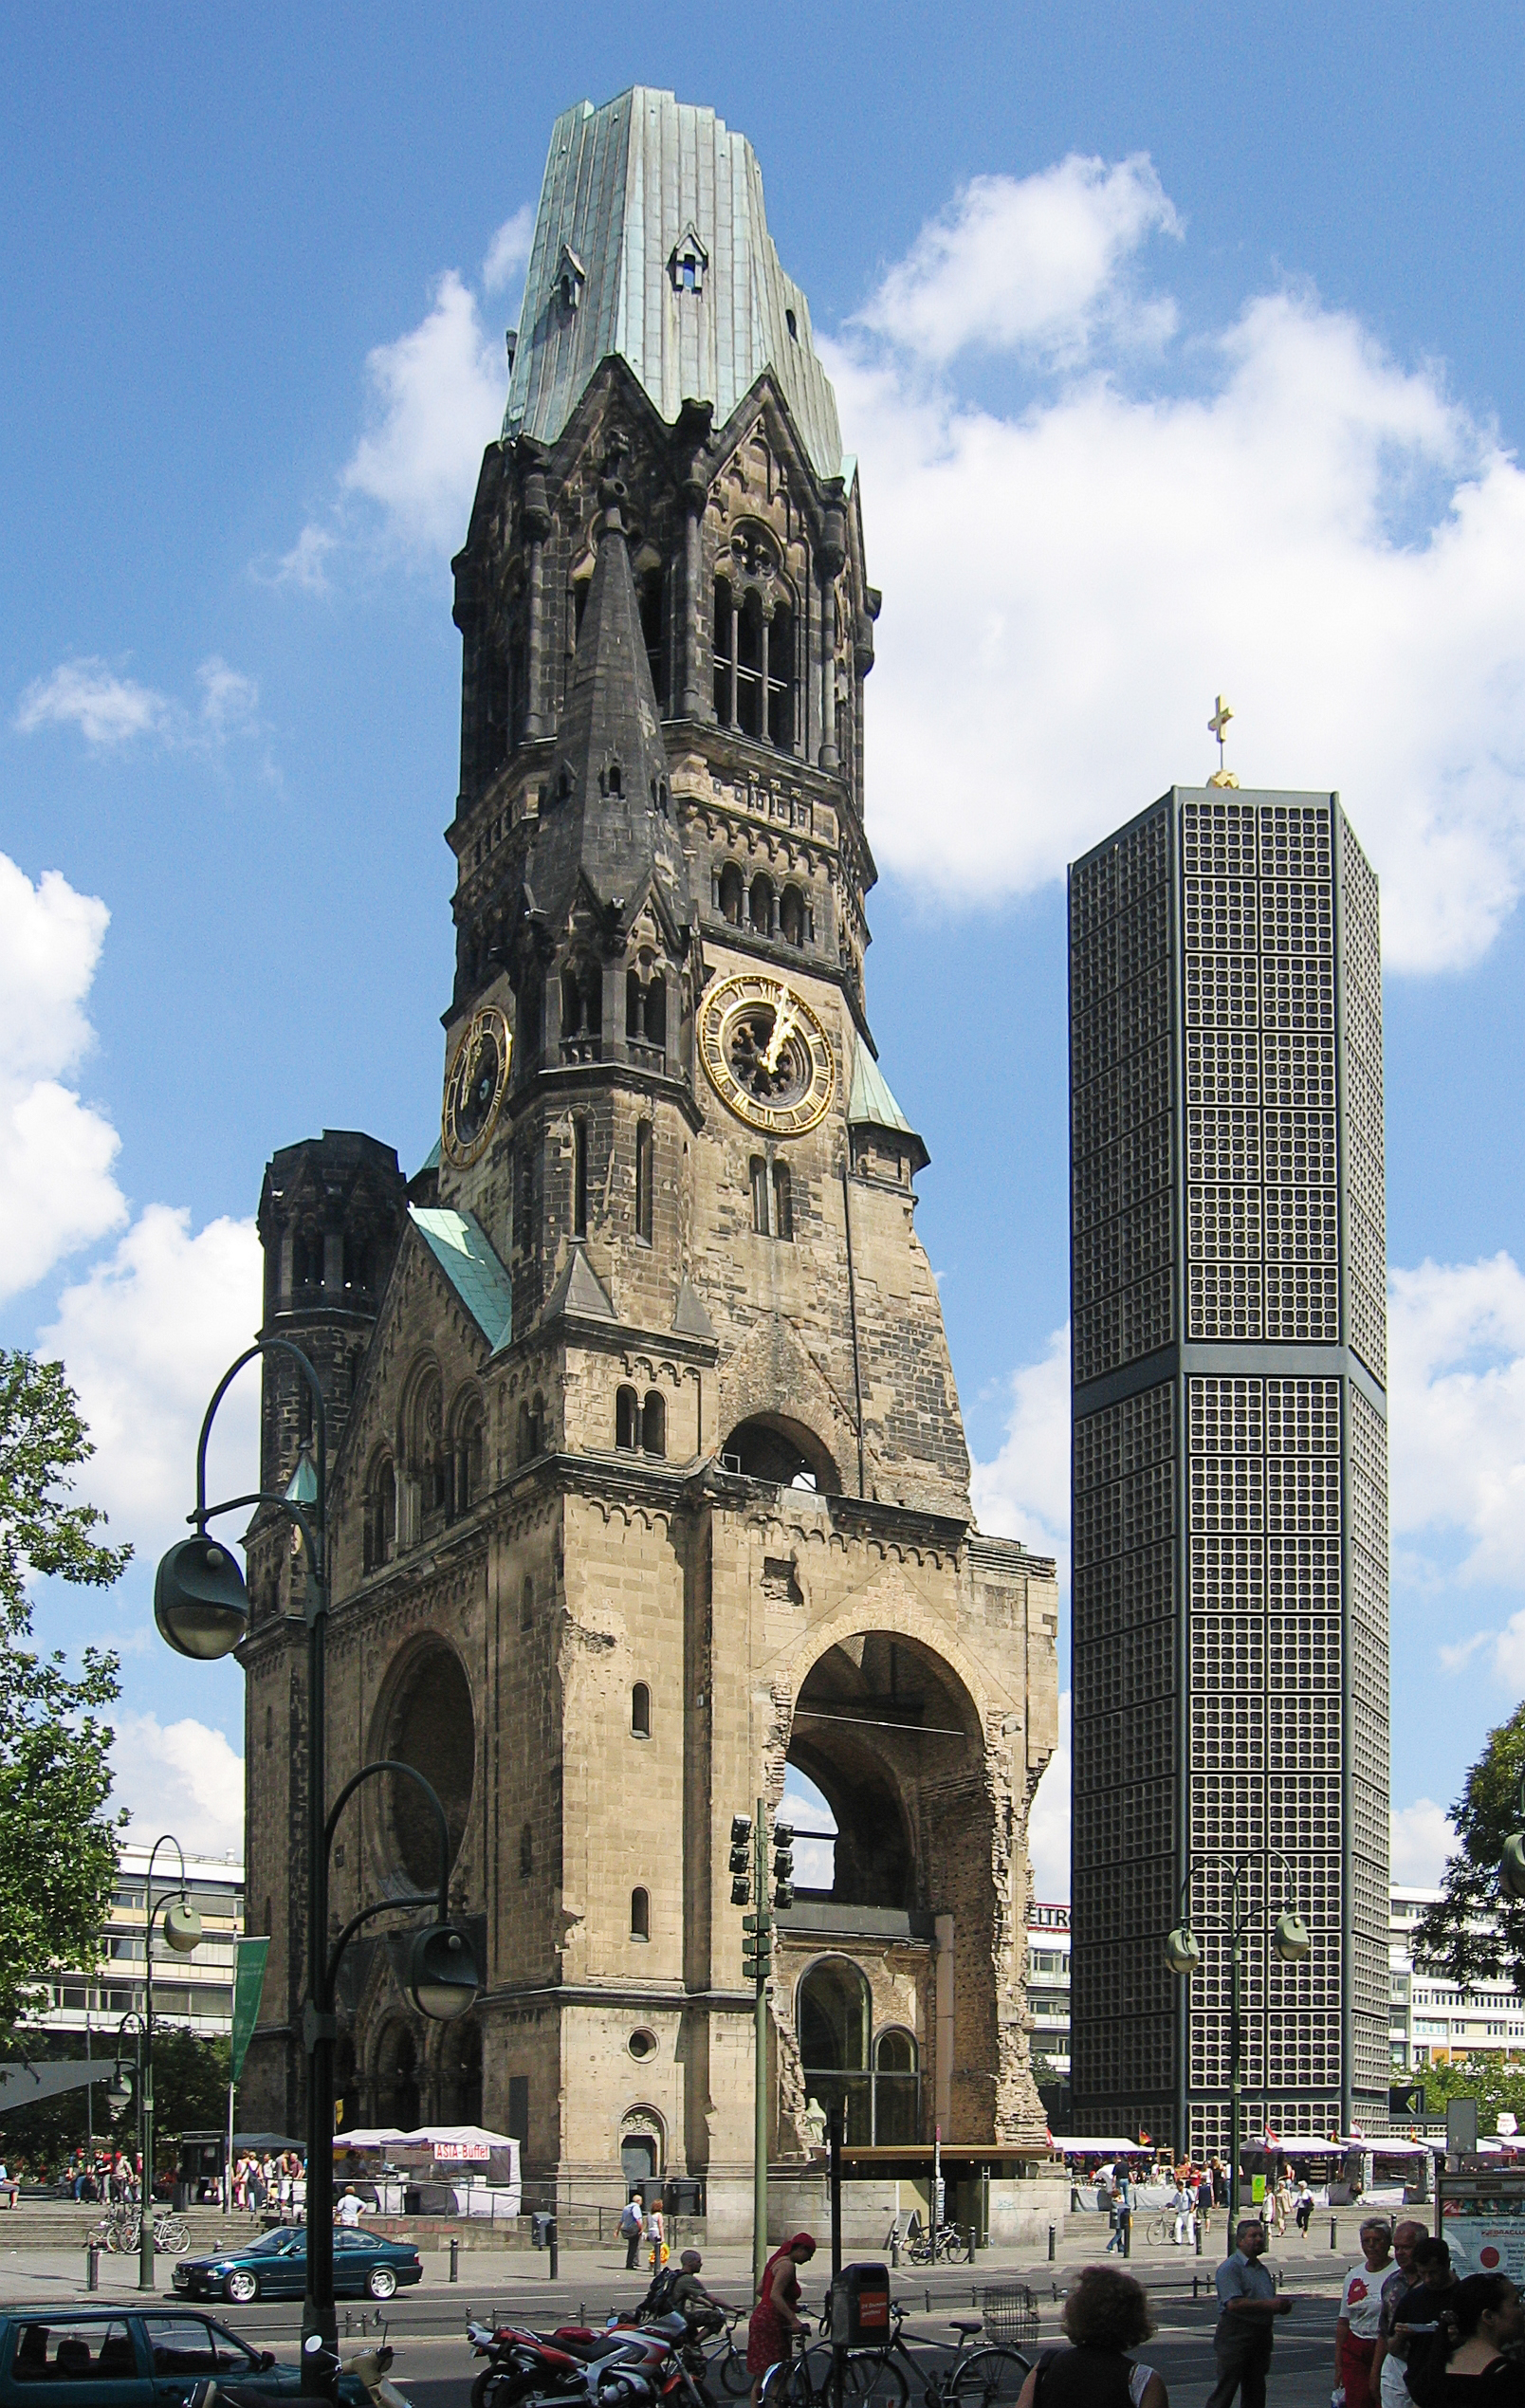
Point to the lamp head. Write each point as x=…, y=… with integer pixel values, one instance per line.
x=119, y=2089
x=182, y=1925
x=200, y=1602
x=1289, y=1938
x=1512, y=1869
x=1182, y=1951
x=443, y=1980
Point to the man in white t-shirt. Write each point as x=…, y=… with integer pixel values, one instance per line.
x=1360, y=2317
x=351, y=2208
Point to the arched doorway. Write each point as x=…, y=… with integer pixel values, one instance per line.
x=396, y=2079
x=459, y=2085
x=641, y=2146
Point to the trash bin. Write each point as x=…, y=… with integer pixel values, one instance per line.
x=540, y=2232
x=860, y=2308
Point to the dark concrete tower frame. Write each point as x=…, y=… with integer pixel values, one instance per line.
x=1229, y=1467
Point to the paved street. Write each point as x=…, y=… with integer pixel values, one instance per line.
x=434, y=2367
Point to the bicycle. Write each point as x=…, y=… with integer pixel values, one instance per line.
x=122, y=2231
x=728, y=2361
x=987, y=2378
x=944, y=2245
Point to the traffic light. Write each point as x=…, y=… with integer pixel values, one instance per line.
x=783, y=1864
x=756, y=1950
x=741, y=1859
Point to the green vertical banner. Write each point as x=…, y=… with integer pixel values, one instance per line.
x=249, y=1981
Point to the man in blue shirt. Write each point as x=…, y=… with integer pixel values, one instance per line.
x=1248, y=2303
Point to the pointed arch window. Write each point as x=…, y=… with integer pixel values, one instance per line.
x=627, y=1412
x=640, y=1711
x=651, y=596
x=759, y=904
x=579, y=1177
x=733, y=895
x=755, y=643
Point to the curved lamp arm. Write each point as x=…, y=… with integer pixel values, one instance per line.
x=313, y=1533
x=368, y=1771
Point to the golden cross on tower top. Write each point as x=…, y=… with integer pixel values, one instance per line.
x=1217, y=725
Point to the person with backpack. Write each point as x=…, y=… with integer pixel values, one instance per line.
x=1105, y=2315
x=631, y=2225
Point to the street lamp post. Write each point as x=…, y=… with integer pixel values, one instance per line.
x=201, y=1605
x=182, y=1932
x=1183, y=1953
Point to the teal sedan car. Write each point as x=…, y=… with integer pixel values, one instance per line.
x=129, y=2357
x=366, y=2265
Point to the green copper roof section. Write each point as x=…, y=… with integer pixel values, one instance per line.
x=871, y=1100
x=459, y=1246
x=301, y=1488
x=431, y=1161
x=631, y=190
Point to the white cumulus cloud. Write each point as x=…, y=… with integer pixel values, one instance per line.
x=110, y=709
x=145, y=1335
x=1035, y=264
x=508, y=252
x=1422, y=1837
x=1076, y=562
x=182, y=1777
x=1025, y=1492
x=1455, y=1336
x=56, y=1151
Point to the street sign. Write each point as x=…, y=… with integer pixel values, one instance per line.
x=1405, y=2100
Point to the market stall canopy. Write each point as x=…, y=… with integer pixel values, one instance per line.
x=458, y=2144
x=1087, y=2148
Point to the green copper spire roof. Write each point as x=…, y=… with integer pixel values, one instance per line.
x=459, y=1245
x=651, y=241
x=871, y=1106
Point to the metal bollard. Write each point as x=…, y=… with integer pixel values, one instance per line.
x=1128, y=2236
x=894, y=2244
x=455, y=2257
x=92, y=2267
x=1196, y=2284
x=1333, y=2234
x=1054, y=2242
x=1199, y=2236
x=972, y=2245
x=550, y=2238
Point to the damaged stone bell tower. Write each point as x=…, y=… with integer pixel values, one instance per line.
x=651, y=1479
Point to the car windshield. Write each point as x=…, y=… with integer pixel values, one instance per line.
x=291, y=2236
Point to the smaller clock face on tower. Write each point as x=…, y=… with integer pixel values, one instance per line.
x=475, y=1086
x=766, y=1054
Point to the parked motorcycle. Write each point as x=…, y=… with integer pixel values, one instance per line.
x=623, y=2366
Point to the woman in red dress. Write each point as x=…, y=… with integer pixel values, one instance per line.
x=775, y=2319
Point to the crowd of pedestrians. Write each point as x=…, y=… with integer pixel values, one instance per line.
x=269, y=2181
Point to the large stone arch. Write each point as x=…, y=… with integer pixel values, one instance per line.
x=425, y=1716
x=888, y=1711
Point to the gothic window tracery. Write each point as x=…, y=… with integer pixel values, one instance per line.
x=733, y=895
x=380, y=1533
x=754, y=642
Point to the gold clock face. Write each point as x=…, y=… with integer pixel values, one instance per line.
x=766, y=1054
x=475, y=1087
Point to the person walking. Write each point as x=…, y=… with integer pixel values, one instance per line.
x=1125, y=2212
x=1385, y=2387
x=1180, y=2209
x=1410, y=2321
x=1205, y=2203
x=1357, y=2328
x=1305, y=2205
x=776, y=2318
x=1105, y=2315
x=1248, y=2303
x=632, y=2226
x=1282, y=2202
x=656, y=2236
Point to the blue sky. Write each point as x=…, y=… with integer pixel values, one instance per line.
x=1182, y=348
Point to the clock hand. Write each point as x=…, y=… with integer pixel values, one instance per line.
x=785, y=1022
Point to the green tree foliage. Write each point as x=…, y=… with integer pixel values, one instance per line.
x=57, y=1853
x=190, y=2095
x=1495, y=2081
x=1476, y=1929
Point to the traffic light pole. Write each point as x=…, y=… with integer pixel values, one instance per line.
x=760, y=2095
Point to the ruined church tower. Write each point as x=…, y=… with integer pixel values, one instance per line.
x=652, y=1480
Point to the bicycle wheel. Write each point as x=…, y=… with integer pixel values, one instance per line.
x=953, y=2245
x=991, y=2379
x=172, y=2235
x=731, y=2369
x=870, y=2381
x=789, y=2384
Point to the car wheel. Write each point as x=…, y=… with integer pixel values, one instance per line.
x=381, y=2282
x=241, y=2287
